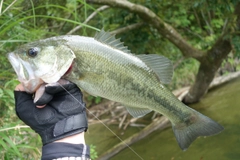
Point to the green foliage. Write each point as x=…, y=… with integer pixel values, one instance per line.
x=95, y=100
x=184, y=74
x=93, y=152
x=236, y=46
x=7, y=97
x=20, y=22
x=17, y=143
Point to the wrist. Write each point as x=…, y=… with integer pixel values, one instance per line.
x=73, y=139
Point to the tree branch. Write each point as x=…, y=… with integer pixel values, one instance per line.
x=16, y=127
x=209, y=29
x=197, y=17
x=88, y=19
x=151, y=18
x=127, y=28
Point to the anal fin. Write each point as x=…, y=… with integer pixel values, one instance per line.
x=138, y=112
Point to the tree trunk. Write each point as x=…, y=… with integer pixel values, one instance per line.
x=208, y=67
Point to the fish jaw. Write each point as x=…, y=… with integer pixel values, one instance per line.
x=25, y=74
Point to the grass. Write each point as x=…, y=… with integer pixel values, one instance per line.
x=17, y=26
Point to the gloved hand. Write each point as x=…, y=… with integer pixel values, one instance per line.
x=64, y=114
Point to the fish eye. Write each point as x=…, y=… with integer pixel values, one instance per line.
x=32, y=52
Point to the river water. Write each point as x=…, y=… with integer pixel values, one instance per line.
x=221, y=104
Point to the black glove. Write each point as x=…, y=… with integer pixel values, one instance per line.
x=63, y=115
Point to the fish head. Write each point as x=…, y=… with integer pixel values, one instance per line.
x=44, y=61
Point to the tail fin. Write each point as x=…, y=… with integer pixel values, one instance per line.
x=195, y=126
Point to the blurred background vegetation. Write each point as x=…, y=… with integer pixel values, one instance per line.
x=201, y=22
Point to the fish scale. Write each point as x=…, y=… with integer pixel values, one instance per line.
x=103, y=67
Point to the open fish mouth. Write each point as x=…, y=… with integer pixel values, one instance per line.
x=25, y=73
x=14, y=62
x=23, y=70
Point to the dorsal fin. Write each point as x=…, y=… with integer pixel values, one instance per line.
x=161, y=65
x=110, y=40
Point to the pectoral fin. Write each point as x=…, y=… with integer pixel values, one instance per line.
x=138, y=112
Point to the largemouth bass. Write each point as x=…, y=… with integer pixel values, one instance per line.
x=103, y=66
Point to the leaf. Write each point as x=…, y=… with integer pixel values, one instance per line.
x=236, y=46
x=3, y=144
x=9, y=92
x=98, y=100
x=12, y=146
x=11, y=83
x=1, y=92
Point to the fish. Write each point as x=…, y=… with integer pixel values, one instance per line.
x=102, y=66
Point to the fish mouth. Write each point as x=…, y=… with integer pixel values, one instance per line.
x=16, y=62
x=25, y=74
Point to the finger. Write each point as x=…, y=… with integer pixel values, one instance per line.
x=19, y=87
x=44, y=99
x=41, y=106
x=39, y=93
x=41, y=96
